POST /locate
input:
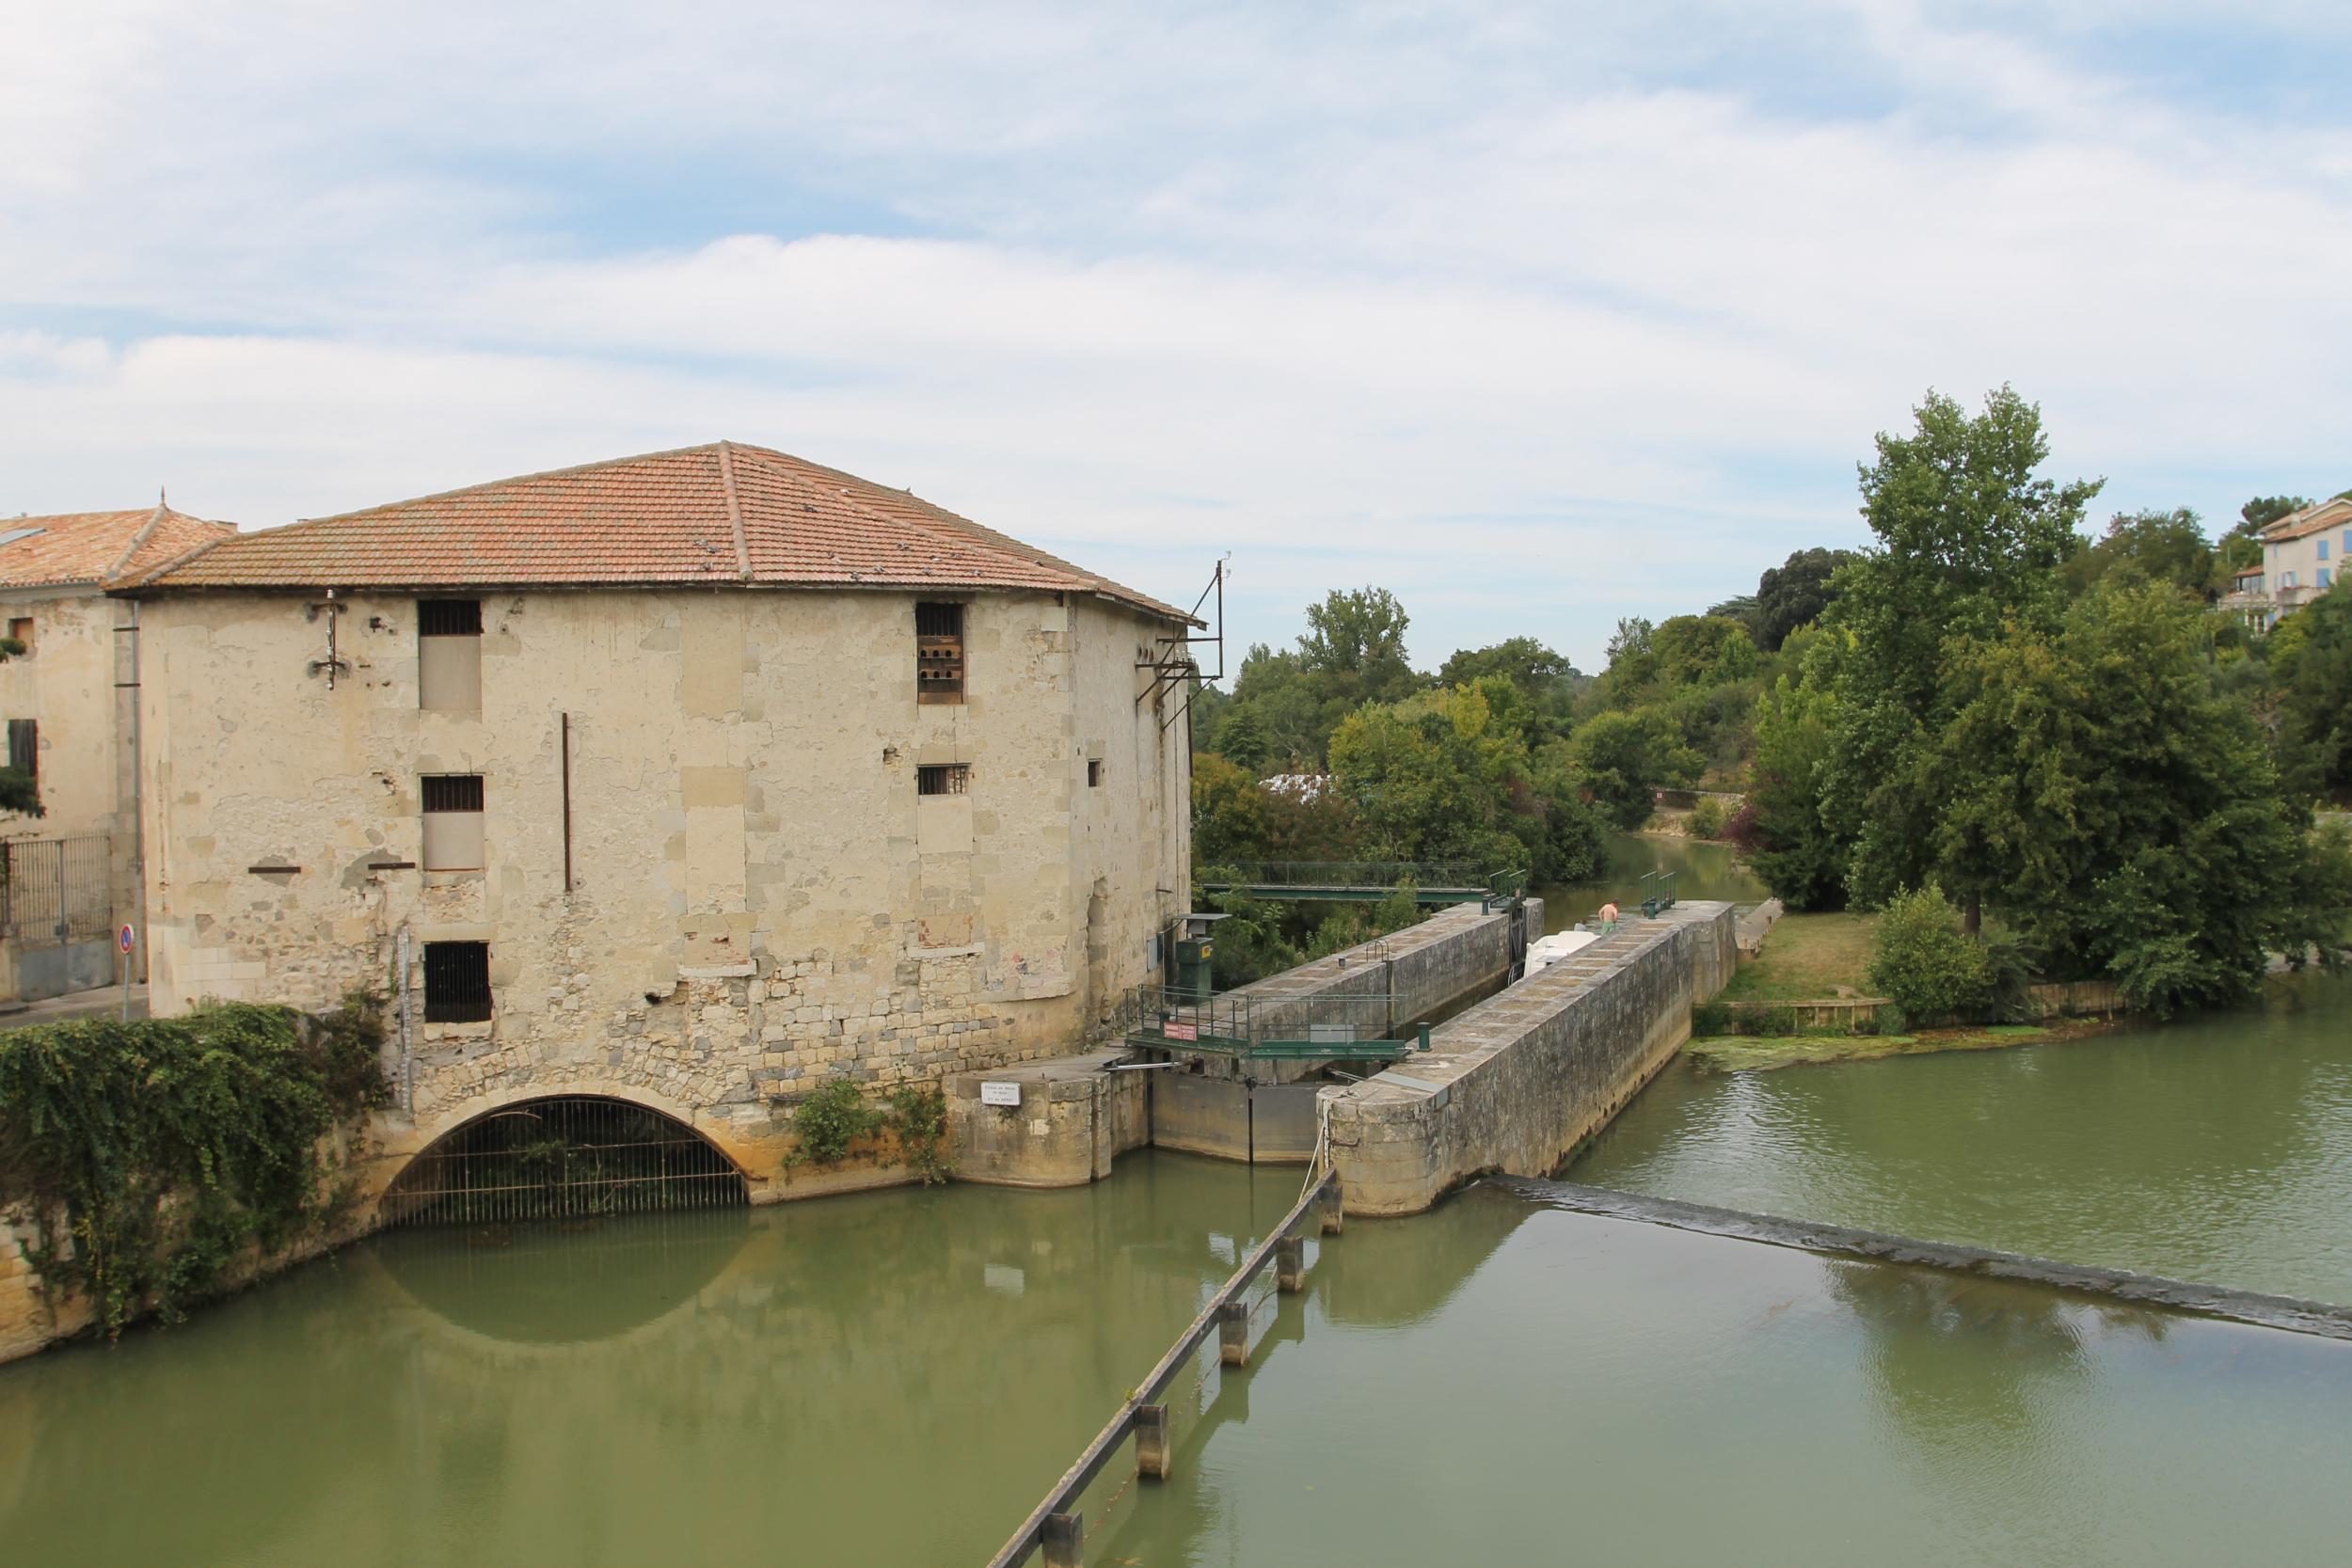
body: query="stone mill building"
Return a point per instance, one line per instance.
(690, 780)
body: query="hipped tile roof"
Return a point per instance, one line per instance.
(721, 515)
(66, 550)
(2311, 520)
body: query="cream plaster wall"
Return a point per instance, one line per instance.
(748, 847)
(66, 683)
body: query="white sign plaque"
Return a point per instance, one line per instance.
(997, 1092)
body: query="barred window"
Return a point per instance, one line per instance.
(449, 654)
(939, 652)
(452, 822)
(456, 982)
(945, 778)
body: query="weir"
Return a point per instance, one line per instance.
(2212, 1301)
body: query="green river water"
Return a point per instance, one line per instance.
(895, 1378)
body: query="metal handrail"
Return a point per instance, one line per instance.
(1453, 876)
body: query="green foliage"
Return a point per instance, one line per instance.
(1794, 594)
(830, 1119)
(2161, 546)
(19, 793)
(1626, 758)
(168, 1146)
(1708, 817)
(2310, 663)
(1250, 942)
(2126, 819)
(1926, 964)
(918, 1111)
(1787, 840)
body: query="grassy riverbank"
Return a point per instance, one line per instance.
(1753, 1053)
(1809, 957)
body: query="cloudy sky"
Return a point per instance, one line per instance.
(1539, 315)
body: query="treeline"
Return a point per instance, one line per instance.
(2062, 735)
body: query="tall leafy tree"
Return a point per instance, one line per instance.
(1970, 537)
(2163, 546)
(2125, 820)
(1794, 594)
(2312, 664)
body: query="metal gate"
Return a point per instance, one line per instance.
(566, 1157)
(55, 890)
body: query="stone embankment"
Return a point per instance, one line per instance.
(1516, 1083)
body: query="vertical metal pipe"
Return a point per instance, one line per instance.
(567, 734)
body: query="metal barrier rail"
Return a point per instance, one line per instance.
(1352, 874)
(1055, 1524)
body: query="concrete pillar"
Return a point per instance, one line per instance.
(1290, 1264)
(1154, 1457)
(1233, 1333)
(1064, 1541)
(1328, 1210)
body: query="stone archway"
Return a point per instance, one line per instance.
(562, 1156)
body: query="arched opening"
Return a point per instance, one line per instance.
(565, 1157)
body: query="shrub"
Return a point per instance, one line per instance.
(1926, 964)
(1707, 818)
(830, 1119)
(919, 1112)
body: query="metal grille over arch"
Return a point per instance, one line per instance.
(567, 1156)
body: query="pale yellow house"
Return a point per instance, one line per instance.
(69, 875)
(2304, 553)
(691, 779)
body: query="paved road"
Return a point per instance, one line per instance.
(106, 1002)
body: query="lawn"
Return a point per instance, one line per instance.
(1807, 957)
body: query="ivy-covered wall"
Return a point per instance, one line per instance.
(146, 1166)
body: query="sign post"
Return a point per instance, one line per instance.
(125, 939)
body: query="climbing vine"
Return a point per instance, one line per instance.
(153, 1152)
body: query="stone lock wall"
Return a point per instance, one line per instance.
(759, 898)
(1516, 1083)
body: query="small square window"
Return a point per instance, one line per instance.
(456, 982)
(1094, 772)
(943, 778)
(21, 630)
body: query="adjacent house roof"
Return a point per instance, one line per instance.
(2311, 520)
(68, 549)
(719, 514)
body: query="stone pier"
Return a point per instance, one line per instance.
(1516, 1083)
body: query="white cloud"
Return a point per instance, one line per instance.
(1551, 315)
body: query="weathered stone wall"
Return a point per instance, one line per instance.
(1516, 1082)
(759, 900)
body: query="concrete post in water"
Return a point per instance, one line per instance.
(1064, 1540)
(1290, 1264)
(1328, 1210)
(1233, 1333)
(1154, 1457)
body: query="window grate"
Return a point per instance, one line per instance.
(939, 652)
(943, 778)
(456, 982)
(449, 617)
(452, 792)
(563, 1157)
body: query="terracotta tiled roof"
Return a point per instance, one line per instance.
(718, 514)
(66, 549)
(2311, 520)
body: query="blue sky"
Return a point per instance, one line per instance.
(1538, 315)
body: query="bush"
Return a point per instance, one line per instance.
(830, 1119)
(1926, 964)
(1707, 818)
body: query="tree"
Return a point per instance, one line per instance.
(1923, 962)
(1355, 631)
(2125, 820)
(1794, 594)
(1243, 740)
(2312, 664)
(2241, 549)
(1626, 761)
(1781, 827)
(1969, 542)
(1536, 670)
(1701, 650)
(2162, 547)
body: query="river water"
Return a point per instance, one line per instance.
(895, 1378)
(1703, 869)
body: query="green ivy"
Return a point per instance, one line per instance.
(168, 1146)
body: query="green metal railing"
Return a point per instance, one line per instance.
(1657, 893)
(1433, 882)
(1347, 1027)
